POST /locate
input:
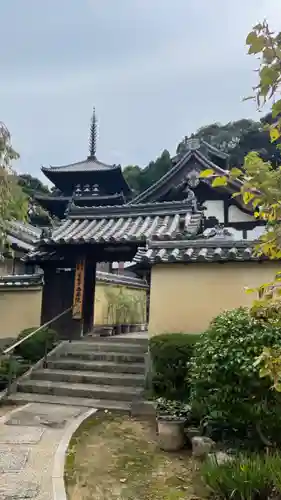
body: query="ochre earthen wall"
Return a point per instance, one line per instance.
(184, 298)
(19, 309)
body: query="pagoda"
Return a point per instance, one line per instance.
(89, 182)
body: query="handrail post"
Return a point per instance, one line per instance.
(10, 351)
(10, 371)
(45, 360)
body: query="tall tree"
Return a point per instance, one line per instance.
(140, 179)
(13, 202)
(31, 185)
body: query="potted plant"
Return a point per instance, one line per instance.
(171, 418)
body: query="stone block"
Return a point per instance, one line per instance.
(12, 487)
(12, 459)
(201, 446)
(20, 435)
(220, 457)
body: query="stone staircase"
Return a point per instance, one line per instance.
(101, 373)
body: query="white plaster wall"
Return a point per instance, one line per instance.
(236, 215)
(236, 234)
(214, 208)
(255, 233)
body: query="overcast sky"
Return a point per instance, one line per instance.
(155, 70)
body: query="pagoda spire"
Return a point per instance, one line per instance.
(93, 136)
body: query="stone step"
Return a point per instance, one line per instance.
(73, 363)
(124, 339)
(93, 391)
(89, 377)
(117, 357)
(109, 346)
(26, 397)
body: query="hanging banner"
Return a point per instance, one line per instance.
(77, 307)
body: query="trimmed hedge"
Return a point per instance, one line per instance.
(33, 349)
(170, 354)
(226, 387)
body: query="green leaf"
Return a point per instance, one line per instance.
(274, 134)
(251, 38)
(247, 197)
(257, 43)
(235, 172)
(264, 372)
(276, 108)
(277, 386)
(207, 173)
(256, 202)
(220, 181)
(269, 55)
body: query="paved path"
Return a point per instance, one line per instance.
(32, 441)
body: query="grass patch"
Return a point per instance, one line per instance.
(114, 457)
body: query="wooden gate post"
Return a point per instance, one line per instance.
(89, 295)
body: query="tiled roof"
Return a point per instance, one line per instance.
(23, 235)
(201, 250)
(21, 281)
(125, 223)
(81, 166)
(121, 279)
(202, 163)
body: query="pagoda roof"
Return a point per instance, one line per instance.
(48, 199)
(90, 164)
(193, 161)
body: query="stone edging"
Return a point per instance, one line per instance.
(59, 492)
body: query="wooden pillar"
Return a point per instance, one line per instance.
(89, 295)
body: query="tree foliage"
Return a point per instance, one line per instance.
(236, 138)
(140, 179)
(259, 186)
(13, 202)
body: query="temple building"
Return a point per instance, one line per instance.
(218, 205)
(168, 234)
(21, 239)
(89, 182)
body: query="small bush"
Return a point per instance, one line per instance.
(170, 355)
(33, 349)
(244, 478)
(225, 384)
(18, 368)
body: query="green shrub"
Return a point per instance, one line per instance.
(225, 384)
(170, 355)
(244, 478)
(18, 368)
(33, 349)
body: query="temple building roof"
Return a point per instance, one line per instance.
(194, 157)
(22, 235)
(127, 223)
(22, 281)
(121, 279)
(201, 250)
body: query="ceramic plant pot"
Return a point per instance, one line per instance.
(171, 435)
